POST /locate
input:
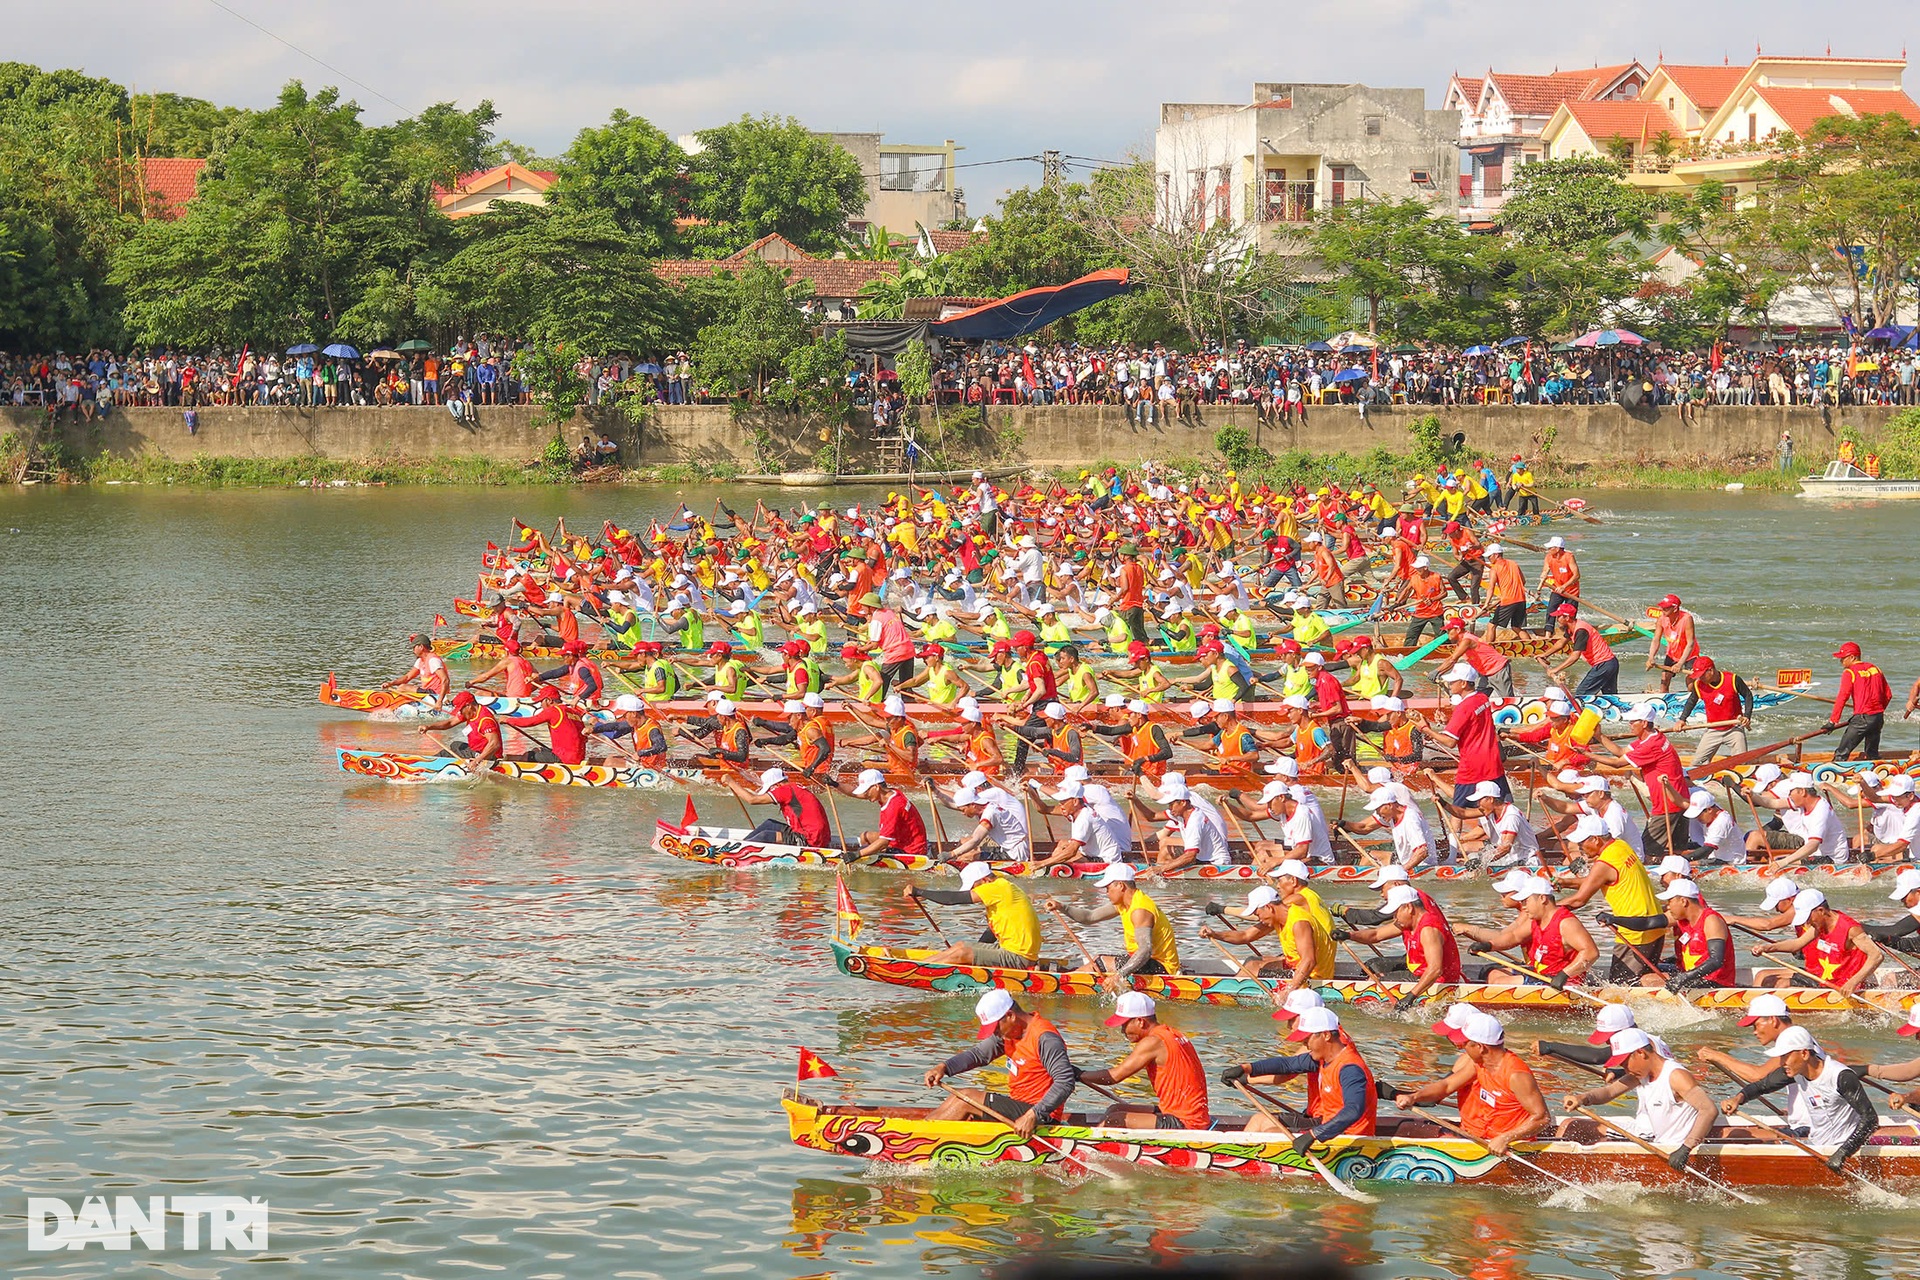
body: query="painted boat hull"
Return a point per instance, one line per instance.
(400, 766)
(909, 967)
(903, 1135)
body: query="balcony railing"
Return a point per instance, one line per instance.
(1285, 201)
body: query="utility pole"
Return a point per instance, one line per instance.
(1052, 169)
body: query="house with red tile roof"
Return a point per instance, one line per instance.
(1502, 115)
(836, 282)
(480, 190)
(166, 184)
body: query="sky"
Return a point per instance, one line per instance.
(1003, 79)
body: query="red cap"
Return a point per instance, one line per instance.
(511, 644)
(1210, 630)
(573, 648)
(1910, 1029)
(547, 693)
(1024, 639)
(1208, 649)
(1565, 611)
(462, 700)
(1600, 1037)
(1361, 642)
(1288, 645)
(1619, 1059)
(1446, 1032)
(1453, 526)
(1847, 650)
(1669, 601)
(1702, 664)
(720, 646)
(931, 651)
(795, 648)
(1297, 1034)
(1000, 647)
(852, 651)
(1137, 650)
(1456, 624)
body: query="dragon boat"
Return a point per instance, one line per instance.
(401, 766)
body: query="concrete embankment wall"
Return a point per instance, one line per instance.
(1055, 435)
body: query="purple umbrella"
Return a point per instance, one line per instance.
(1610, 338)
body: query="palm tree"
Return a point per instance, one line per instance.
(1664, 148)
(1620, 148)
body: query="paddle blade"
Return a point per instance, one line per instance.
(689, 815)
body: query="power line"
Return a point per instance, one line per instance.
(310, 57)
(941, 168)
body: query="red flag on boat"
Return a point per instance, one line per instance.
(689, 815)
(492, 550)
(439, 620)
(848, 914)
(812, 1066)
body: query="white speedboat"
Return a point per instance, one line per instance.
(1844, 480)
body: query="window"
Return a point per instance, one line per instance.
(1753, 127)
(1374, 125)
(913, 171)
(1422, 178)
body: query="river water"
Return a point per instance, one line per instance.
(481, 1028)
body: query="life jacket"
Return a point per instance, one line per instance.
(1319, 925)
(983, 750)
(1054, 631)
(1226, 679)
(1632, 893)
(1119, 634)
(814, 739)
(1027, 1078)
(1308, 746)
(1239, 749)
(1066, 740)
(749, 628)
(1142, 743)
(943, 687)
(730, 677)
(1367, 680)
(1546, 950)
(903, 747)
(695, 636)
(1081, 685)
(1397, 742)
(1832, 955)
(1179, 1083)
(1564, 751)
(1433, 918)
(1179, 635)
(484, 727)
(1489, 1104)
(1326, 1098)
(868, 687)
(660, 682)
(1690, 941)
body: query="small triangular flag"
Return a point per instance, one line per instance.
(439, 620)
(689, 815)
(812, 1066)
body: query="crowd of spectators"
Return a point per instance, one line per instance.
(1156, 383)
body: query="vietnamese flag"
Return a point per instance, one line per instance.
(439, 620)
(689, 815)
(812, 1066)
(848, 915)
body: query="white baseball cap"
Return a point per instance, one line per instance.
(973, 780)
(1274, 790)
(1510, 884)
(792, 706)
(1586, 828)
(812, 701)
(1673, 865)
(992, 1007)
(966, 798)
(1055, 711)
(1173, 792)
(723, 707)
(1456, 1018)
(1116, 873)
(1594, 784)
(1401, 895)
(1077, 773)
(1559, 708)
(1285, 767)
(1292, 867)
(1484, 1028)
(1116, 700)
(1421, 562)
(1609, 1022)
(1622, 1043)
(1780, 889)
(1767, 1006)
(771, 779)
(1070, 791)
(1223, 706)
(1315, 658)
(1801, 782)
(1138, 706)
(628, 702)
(1535, 887)
(1698, 802)
(1131, 1004)
(1804, 904)
(1680, 889)
(973, 715)
(1260, 896)
(1392, 873)
(1298, 1001)
(1485, 791)
(1766, 774)
(1201, 708)
(1379, 775)
(1379, 797)
(1313, 1021)
(973, 873)
(868, 780)
(1459, 673)
(1297, 702)
(1495, 549)
(895, 705)
(1793, 1038)
(1639, 712)
(1905, 883)
(1900, 784)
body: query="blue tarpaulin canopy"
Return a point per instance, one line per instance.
(1033, 309)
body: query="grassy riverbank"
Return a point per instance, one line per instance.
(289, 473)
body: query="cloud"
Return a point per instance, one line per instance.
(1004, 79)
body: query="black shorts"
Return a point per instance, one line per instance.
(1012, 1108)
(892, 673)
(1510, 616)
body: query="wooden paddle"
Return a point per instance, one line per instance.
(1097, 965)
(921, 903)
(1747, 757)
(1496, 958)
(1641, 1142)
(1327, 1175)
(1510, 1154)
(989, 1114)
(1773, 958)
(1781, 1136)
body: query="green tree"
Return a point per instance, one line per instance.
(631, 171)
(763, 176)
(1570, 204)
(757, 327)
(1387, 255)
(1041, 236)
(562, 274)
(169, 124)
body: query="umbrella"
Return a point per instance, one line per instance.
(1610, 338)
(1481, 350)
(1318, 346)
(416, 344)
(648, 367)
(302, 349)
(1562, 346)
(1408, 350)
(340, 351)
(1887, 333)
(1350, 375)
(1520, 340)
(1354, 338)
(383, 354)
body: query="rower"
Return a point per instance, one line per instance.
(944, 686)
(1833, 946)
(483, 728)
(1342, 1096)
(1471, 556)
(1895, 821)
(1727, 701)
(1040, 690)
(1293, 914)
(1173, 1069)
(1865, 685)
(1471, 733)
(863, 675)
(1634, 913)
(1040, 1075)
(566, 738)
(1393, 810)
(1079, 686)
(1492, 669)
(1559, 575)
(1001, 833)
(898, 734)
(1809, 821)
(1663, 776)
(513, 669)
(1840, 1113)
(800, 818)
(1425, 597)
(1089, 834)
(899, 829)
(428, 672)
(1508, 589)
(1591, 797)
(1899, 1072)
(1203, 832)
(1304, 837)
(1145, 931)
(1672, 1109)
(1148, 680)
(1672, 644)
(1012, 936)
(647, 740)
(1713, 831)
(1903, 934)
(1581, 641)
(1609, 1020)
(730, 674)
(1701, 942)
(1557, 946)
(1500, 1103)
(1374, 675)
(1432, 955)
(1063, 746)
(1507, 839)
(1144, 743)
